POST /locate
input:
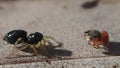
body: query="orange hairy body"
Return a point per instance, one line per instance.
(103, 40)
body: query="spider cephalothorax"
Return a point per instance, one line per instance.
(34, 38)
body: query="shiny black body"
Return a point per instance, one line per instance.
(12, 36)
(34, 38)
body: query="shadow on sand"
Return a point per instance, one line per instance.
(113, 49)
(53, 51)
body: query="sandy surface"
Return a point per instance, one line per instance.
(65, 20)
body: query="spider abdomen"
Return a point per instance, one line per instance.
(12, 36)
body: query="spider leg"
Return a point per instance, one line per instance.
(42, 45)
(39, 44)
(19, 40)
(97, 45)
(16, 49)
(49, 37)
(34, 49)
(23, 46)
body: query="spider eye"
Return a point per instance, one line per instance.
(32, 36)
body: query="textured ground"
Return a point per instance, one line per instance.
(66, 21)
